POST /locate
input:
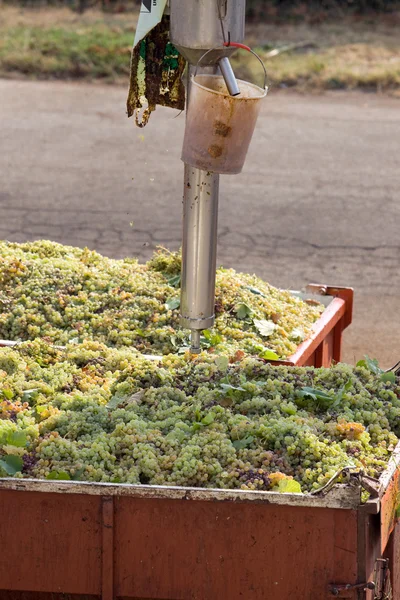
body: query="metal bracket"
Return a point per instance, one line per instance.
(395, 369)
(381, 584)
(383, 588)
(344, 293)
(370, 484)
(346, 590)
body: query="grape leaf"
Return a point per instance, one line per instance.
(340, 394)
(114, 402)
(208, 419)
(371, 364)
(17, 438)
(183, 349)
(213, 338)
(58, 476)
(175, 280)
(227, 387)
(264, 327)
(268, 354)
(243, 443)
(172, 303)
(254, 290)
(289, 486)
(196, 427)
(11, 464)
(222, 362)
(28, 394)
(7, 393)
(318, 395)
(298, 335)
(133, 399)
(389, 376)
(242, 310)
(77, 475)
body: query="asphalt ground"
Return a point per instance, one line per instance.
(318, 199)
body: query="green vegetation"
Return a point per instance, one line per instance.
(96, 52)
(351, 66)
(313, 55)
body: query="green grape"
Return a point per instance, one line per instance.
(108, 414)
(62, 293)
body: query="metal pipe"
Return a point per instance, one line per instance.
(199, 246)
(197, 27)
(229, 76)
(195, 341)
(199, 251)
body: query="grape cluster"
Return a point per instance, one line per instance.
(93, 413)
(63, 294)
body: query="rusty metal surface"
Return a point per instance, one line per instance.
(392, 552)
(349, 590)
(171, 549)
(107, 550)
(340, 496)
(50, 543)
(209, 551)
(14, 595)
(123, 542)
(390, 496)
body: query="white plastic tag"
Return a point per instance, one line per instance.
(151, 12)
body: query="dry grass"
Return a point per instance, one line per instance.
(346, 54)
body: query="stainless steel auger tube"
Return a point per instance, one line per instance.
(198, 26)
(199, 252)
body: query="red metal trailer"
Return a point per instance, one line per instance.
(88, 541)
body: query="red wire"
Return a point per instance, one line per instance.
(237, 45)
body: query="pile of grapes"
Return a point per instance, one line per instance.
(93, 413)
(66, 294)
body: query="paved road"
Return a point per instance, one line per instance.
(318, 200)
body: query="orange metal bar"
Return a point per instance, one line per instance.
(329, 318)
